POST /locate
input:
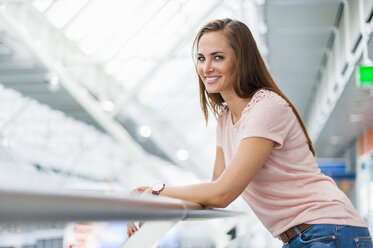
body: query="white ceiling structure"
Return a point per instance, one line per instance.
(122, 65)
(315, 47)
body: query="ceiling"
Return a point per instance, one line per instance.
(298, 36)
(23, 75)
(351, 117)
(134, 59)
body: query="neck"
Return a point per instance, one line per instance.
(236, 105)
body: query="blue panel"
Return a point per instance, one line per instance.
(336, 169)
(332, 163)
(348, 176)
(333, 169)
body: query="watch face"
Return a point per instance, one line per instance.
(157, 186)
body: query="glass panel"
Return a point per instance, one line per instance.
(130, 30)
(42, 5)
(111, 23)
(89, 18)
(133, 71)
(62, 11)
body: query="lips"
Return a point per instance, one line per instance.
(211, 80)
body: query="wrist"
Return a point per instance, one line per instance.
(157, 188)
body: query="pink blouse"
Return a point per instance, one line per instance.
(289, 189)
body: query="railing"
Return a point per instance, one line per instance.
(18, 206)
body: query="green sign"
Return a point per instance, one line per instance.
(365, 76)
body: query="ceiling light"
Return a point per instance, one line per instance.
(5, 142)
(145, 131)
(54, 83)
(334, 140)
(182, 154)
(354, 117)
(107, 105)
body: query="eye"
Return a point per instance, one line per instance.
(200, 58)
(218, 57)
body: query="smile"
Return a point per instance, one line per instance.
(211, 80)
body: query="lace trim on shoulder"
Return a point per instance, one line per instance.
(262, 94)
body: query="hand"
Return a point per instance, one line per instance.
(131, 229)
(147, 191)
(139, 190)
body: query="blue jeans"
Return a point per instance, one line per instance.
(325, 235)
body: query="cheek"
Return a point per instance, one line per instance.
(230, 71)
(200, 71)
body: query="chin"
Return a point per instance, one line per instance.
(211, 91)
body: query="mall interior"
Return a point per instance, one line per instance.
(98, 97)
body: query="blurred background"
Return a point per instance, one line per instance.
(101, 96)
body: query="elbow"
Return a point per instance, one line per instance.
(220, 196)
(223, 200)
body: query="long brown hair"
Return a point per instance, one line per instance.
(250, 74)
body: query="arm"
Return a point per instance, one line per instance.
(250, 157)
(219, 165)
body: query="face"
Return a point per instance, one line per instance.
(215, 63)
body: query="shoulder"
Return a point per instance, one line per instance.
(267, 95)
(266, 98)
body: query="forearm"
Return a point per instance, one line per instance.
(208, 194)
(232, 181)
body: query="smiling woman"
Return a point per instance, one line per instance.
(215, 63)
(263, 151)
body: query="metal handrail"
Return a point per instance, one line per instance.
(19, 206)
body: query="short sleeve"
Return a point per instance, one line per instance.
(269, 118)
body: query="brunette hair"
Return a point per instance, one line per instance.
(250, 74)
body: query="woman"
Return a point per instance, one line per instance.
(263, 150)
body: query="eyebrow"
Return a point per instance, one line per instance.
(213, 53)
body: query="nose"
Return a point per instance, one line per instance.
(207, 67)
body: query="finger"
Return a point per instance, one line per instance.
(132, 227)
(141, 189)
(130, 224)
(131, 232)
(137, 190)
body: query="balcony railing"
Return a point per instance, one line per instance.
(160, 212)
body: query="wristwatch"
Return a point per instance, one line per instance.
(157, 188)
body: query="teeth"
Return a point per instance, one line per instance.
(211, 78)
